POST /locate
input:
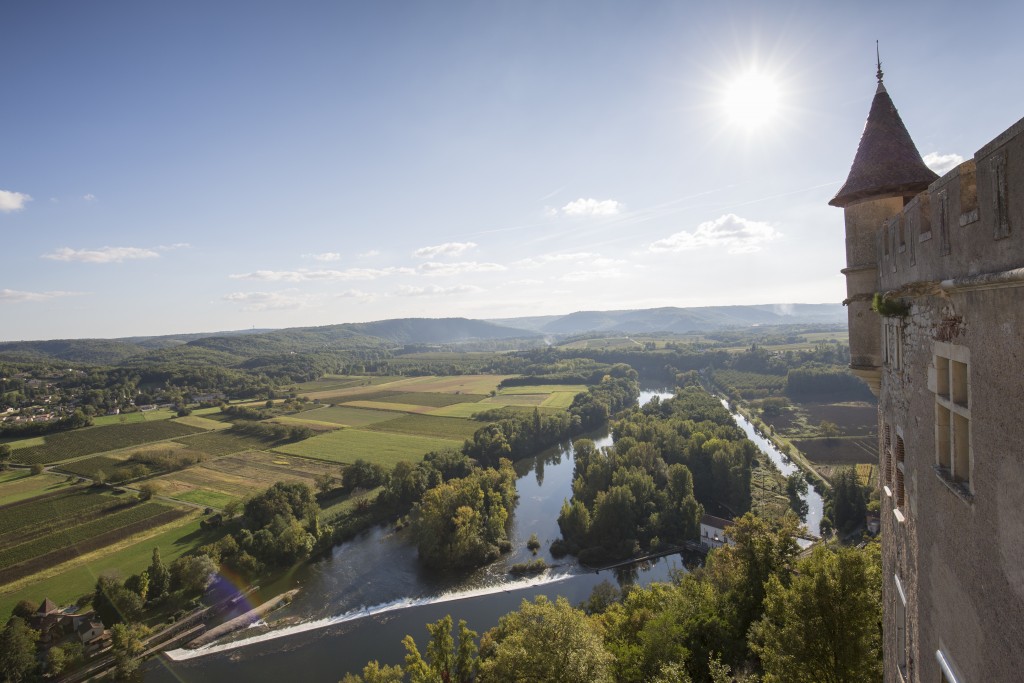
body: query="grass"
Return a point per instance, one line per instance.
(66, 582)
(71, 536)
(214, 499)
(543, 389)
(468, 410)
(315, 425)
(79, 442)
(394, 407)
(346, 503)
(427, 398)
(348, 445)
(332, 382)
(241, 475)
(222, 443)
(37, 516)
(350, 417)
(513, 400)
(27, 443)
(24, 485)
(429, 425)
(132, 418)
(202, 422)
(559, 399)
(462, 384)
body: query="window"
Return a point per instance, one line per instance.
(901, 627)
(952, 388)
(886, 456)
(899, 493)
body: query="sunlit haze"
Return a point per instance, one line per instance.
(196, 166)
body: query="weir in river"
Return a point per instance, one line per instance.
(358, 604)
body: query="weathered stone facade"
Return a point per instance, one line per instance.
(948, 366)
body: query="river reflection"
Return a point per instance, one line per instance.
(359, 603)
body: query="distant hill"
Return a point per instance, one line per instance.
(680, 320)
(229, 348)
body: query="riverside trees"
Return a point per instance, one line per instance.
(755, 609)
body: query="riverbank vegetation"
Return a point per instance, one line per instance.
(757, 611)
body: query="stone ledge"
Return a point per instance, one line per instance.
(961, 491)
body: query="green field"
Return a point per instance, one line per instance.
(214, 499)
(559, 399)
(66, 583)
(543, 389)
(31, 518)
(79, 442)
(88, 467)
(350, 417)
(346, 502)
(222, 443)
(315, 425)
(513, 400)
(333, 382)
(468, 410)
(18, 485)
(72, 535)
(131, 418)
(348, 445)
(394, 407)
(430, 425)
(202, 422)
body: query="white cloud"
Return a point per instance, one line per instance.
(101, 255)
(15, 296)
(325, 256)
(942, 163)
(592, 274)
(269, 301)
(370, 254)
(436, 268)
(446, 249)
(90, 197)
(434, 290)
(305, 275)
(176, 245)
(592, 207)
(543, 259)
(736, 234)
(13, 201)
(353, 294)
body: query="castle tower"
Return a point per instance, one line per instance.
(886, 173)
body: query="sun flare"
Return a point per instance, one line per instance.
(752, 99)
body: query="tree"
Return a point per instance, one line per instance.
(159, 577)
(147, 490)
(126, 644)
(545, 641)
(443, 663)
(192, 573)
(24, 609)
(5, 455)
(139, 584)
(17, 651)
(829, 430)
(114, 603)
(825, 627)
(847, 506)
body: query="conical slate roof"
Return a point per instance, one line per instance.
(887, 162)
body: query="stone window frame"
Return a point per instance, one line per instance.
(1000, 195)
(902, 645)
(949, 379)
(892, 343)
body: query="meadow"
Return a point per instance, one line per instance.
(429, 425)
(349, 416)
(17, 485)
(383, 448)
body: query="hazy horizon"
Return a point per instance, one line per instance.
(198, 166)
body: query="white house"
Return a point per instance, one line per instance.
(712, 531)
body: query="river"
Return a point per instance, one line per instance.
(359, 603)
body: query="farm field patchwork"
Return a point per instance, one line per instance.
(67, 445)
(137, 416)
(839, 451)
(222, 442)
(240, 475)
(23, 485)
(348, 445)
(35, 516)
(559, 399)
(513, 400)
(69, 541)
(349, 416)
(430, 425)
(202, 422)
(64, 583)
(315, 425)
(543, 389)
(394, 407)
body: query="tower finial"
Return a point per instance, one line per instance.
(878, 57)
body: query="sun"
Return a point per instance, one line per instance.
(752, 99)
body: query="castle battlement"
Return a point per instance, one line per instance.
(968, 223)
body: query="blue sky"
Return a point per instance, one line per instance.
(195, 166)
